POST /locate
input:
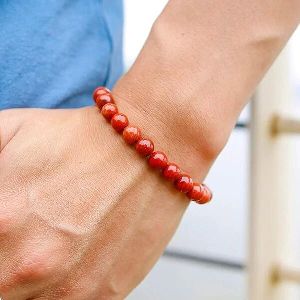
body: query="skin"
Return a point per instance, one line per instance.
(81, 215)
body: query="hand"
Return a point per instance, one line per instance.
(81, 215)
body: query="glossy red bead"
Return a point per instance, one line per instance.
(119, 122)
(144, 147)
(131, 134)
(101, 90)
(196, 193)
(184, 183)
(207, 195)
(172, 172)
(101, 100)
(158, 160)
(109, 110)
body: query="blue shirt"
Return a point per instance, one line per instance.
(53, 53)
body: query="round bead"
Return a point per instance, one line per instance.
(119, 122)
(101, 100)
(196, 193)
(172, 172)
(101, 90)
(207, 195)
(131, 134)
(184, 183)
(158, 160)
(109, 110)
(144, 147)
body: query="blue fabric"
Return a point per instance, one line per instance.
(53, 53)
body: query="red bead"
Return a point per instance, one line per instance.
(158, 160)
(200, 193)
(101, 100)
(109, 110)
(172, 172)
(131, 134)
(207, 195)
(101, 90)
(144, 147)
(196, 193)
(119, 122)
(184, 183)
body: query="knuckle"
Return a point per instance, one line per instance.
(33, 269)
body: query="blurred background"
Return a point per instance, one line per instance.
(207, 257)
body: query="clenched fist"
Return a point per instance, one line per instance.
(82, 216)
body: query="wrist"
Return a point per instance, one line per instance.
(186, 132)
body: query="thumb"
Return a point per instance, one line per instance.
(11, 121)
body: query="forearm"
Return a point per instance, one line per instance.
(199, 67)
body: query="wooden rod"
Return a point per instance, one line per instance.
(286, 273)
(285, 124)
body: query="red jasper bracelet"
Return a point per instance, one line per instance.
(132, 135)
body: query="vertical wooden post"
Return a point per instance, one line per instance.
(271, 201)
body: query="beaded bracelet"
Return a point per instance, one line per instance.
(132, 135)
